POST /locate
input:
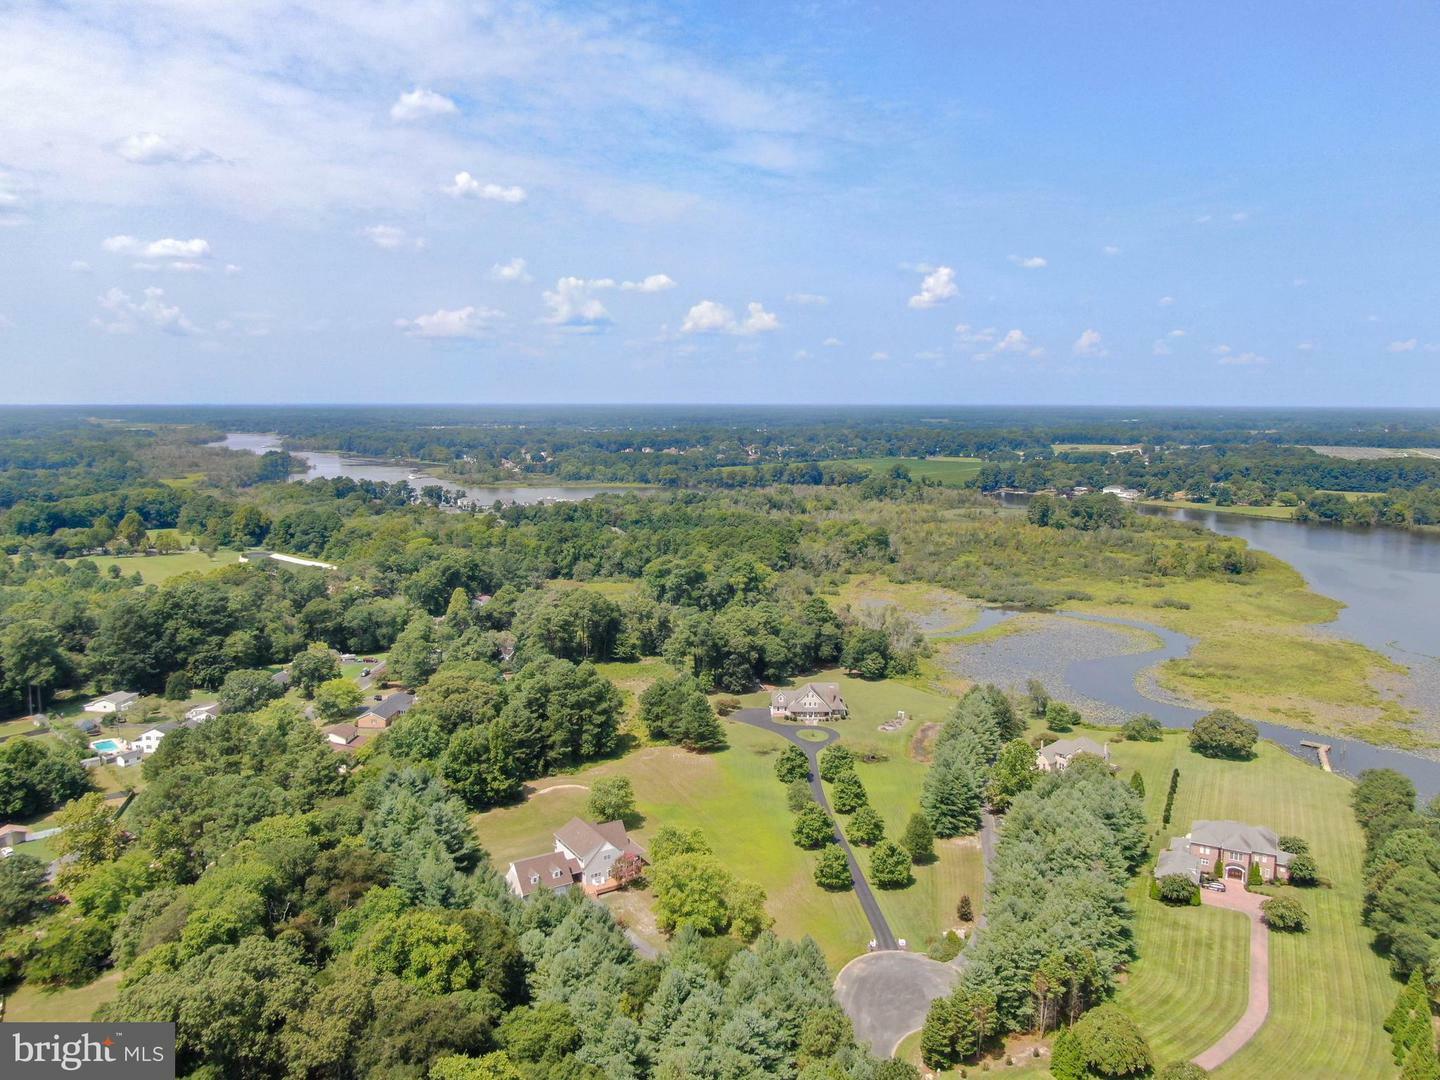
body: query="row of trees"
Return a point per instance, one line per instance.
(1059, 925)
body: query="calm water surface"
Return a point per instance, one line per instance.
(324, 465)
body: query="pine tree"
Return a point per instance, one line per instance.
(1137, 783)
(950, 798)
(937, 1038)
(965, 909)
(1421, 1063)
(1416, 1032)
(919, 840)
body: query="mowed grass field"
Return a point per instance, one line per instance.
(733, 797)
(1329, 992)
(29, 1003)
(155, 569)
(949, 471)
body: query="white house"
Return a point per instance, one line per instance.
(1056, 757)
(204, 712)
(584, 855)
(813, 701)
(118, 702)
(148, 741)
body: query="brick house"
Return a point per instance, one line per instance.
(811, 702)
(1237, 845)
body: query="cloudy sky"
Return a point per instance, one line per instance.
(289, 200)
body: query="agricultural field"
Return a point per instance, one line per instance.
(948, 471)
(1329, 992)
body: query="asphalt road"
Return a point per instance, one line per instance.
(760, 717)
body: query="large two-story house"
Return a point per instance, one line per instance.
(811, 702)
(1236, 845)
(584, 855)
(1056, 756)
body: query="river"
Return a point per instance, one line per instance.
(1389, 582)
(326, 464)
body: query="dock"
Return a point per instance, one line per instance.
(1322, 750)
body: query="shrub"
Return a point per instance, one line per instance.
(1254, 879)
(965, 910)
(1176, 889)
(1181, 1070)
(946, 948)
(1295, 845)
(1286, 914)
(1303, 871)
(1137, 783)
(1110, 1043)
(612, 798)
(919, 840)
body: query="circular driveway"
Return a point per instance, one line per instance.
(887, 994)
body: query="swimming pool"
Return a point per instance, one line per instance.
(107, 746)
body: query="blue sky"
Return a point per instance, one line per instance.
(750, 202)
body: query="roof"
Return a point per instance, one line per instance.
(544, 866)
(345, 731)
(120, 697)
(208, 707)
(585, 839)
(391, 706)
(1238, 836)
(164, 728)
(282, 677)
(1068, 748)
(828, 692)
(87, 723)
(1177, 859)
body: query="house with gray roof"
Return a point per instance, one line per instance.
(586, 855)
(117, 702)
(811, 702)
(1236, 845)
(1057, 755)
(381, 713)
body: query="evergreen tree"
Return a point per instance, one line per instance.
(950, 797)
(1137, 783)
(1421, 1062)
(919, 840)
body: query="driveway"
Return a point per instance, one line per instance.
(760, 717)
(887, 994)
(1257, 1009)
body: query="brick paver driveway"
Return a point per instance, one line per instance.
(1235, 898)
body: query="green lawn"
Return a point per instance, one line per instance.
(29, 1003)
(1329, 992)
(734, 798)
(155, 569)
(1276, 512)
(949, 471)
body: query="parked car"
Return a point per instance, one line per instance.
(1214, 886)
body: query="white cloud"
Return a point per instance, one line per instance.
(465, 322)
(391, 237)
(652, 284)
(802, 354)
(938, 286)
(1203, 219)
(158, 249)
(809, 299)
(467, 187)
(1177, 333)
(1408, 345)
(1111, 249)
(965, 334)
(150, 148)
(832, 343)
(80, 266)
(879, 356)
(1166, 301)
(572, 306)
(1030, 262)
(231, 268)
(1089, 343)
(710, 317)
(421, 104)
(1014, 342)
(514, 270)
(125, 315)
(929, 355)
(1160, 348)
